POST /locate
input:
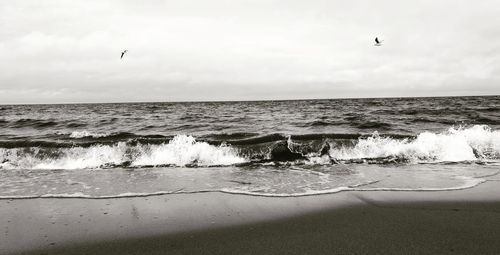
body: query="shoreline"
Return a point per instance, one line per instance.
(394, 222)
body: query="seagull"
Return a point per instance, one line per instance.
(123, 53)
(378, 42)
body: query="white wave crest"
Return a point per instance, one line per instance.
(181, 151)
(184, 150)
(85, 133)
(70, 158)
(457, 144)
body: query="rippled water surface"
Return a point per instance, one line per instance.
(274, 148)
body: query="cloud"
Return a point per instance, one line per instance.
(68, 51)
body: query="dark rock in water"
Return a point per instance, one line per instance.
(477, 153)
(325, 150)
(281, 152)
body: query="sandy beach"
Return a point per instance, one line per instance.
(381, 222)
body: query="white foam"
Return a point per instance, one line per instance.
(70, 158)
(455, 145)
(468, 183)
(184, 150)
(181, 151)
(85, 133)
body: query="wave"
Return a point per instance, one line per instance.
(86, 138)
(34, 123)
(85, 133)
(108, 136)
(457, 144)
(82, 139)
(373, 125)
(469, 183)
(41, 123)
(182, 150)
(473, 144)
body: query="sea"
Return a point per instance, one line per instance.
(260, 148)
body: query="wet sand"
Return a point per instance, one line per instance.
(381, 222)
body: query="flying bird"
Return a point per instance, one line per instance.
(123, 53)
(378, 42)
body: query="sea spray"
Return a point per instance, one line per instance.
(454, 145)
(180, 151)
(184, 150)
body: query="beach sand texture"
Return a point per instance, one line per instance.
(381, 222)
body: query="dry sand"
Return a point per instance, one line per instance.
(382, 222)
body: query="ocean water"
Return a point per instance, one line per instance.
(266, 148)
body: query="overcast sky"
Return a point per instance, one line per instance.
(56, 51)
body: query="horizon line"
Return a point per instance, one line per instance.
(250, 100)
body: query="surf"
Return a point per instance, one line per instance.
(478, 143)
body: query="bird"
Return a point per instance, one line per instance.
(378, 42)
(123, 53)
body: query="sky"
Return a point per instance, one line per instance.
(59, 51)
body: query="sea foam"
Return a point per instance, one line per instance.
(85, 133)
(184, 150)
(181, 151)
(456, 144)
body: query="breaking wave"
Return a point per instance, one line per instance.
(475, 143)
(182, 150)
(457, 144)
